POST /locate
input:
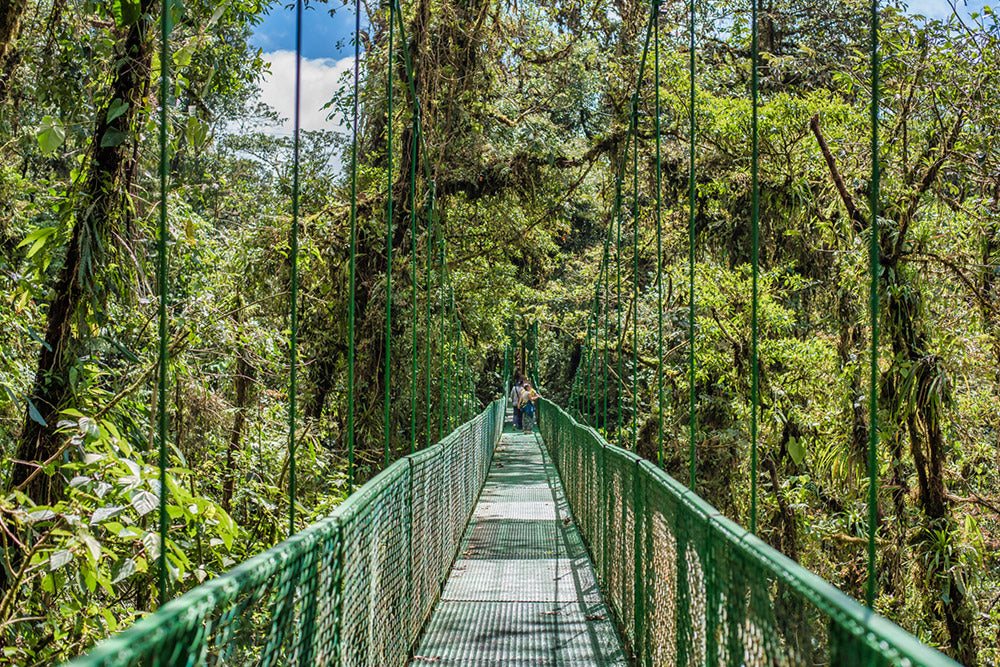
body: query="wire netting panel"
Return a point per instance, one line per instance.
(375, 588)
(689, 587)
(428, 535)
(353, 589)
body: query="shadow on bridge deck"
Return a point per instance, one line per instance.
(522, 590)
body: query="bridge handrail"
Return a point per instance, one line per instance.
(763, 607)
(352, 589)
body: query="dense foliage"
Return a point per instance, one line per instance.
(525, 110)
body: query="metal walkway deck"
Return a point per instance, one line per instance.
(522, 590)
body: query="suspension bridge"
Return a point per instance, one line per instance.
(496, 547)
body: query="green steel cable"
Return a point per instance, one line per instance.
(413, 290)
(388, 248)
(467, 375)
(454, 357)
(582, 382)
(423, 153)
(618, 306)
(659, 241)
(412, 86)
(293, 305)
(607, 329)
(353, 250)
(874, 249)
(442, 310)
(574, 390)
(634, 129)
(691, 192)
(755, 258)
(538, 372)
(593, 375)
(427, 316)
(597, 330)
(161, 280)
(635, 269)
(617, 215)
(589, 377)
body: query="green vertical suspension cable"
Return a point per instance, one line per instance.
(427, 316)
(585, 367)
(597, 332)
(293, 305)
(591, 372)
(635, 267)
(452, 357)
(755, 259)
(353, 249)
(874, 249)
(388, 248)
(467, 383)
(161, 280)
(691, 191)
(413, 289)
(659, 241)
(607, 327)
(442, 312)
(618, 305)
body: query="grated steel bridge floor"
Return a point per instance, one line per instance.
(522, 590)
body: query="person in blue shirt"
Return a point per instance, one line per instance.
(529, 406)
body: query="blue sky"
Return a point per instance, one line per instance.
(326, 36)
(939, 9)
(323, 36)
(328, 53)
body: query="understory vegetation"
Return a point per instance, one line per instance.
(525, 109)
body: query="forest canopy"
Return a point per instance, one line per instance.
(525, 114)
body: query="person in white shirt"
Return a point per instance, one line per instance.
(515, 399)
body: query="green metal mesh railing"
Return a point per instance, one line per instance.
(353, 589)
(690, 587)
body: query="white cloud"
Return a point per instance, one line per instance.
(320, 79)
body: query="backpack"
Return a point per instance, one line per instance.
(525, 399)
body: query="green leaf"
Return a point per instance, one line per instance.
(219, 11)
(113, 137)
(123, 569)
(117, 108)
(35, 414)
(144, 502)
(182, 56)
(105, 513)
(59, 558)
(796, 450)
(151, 541)
(126, 12)
(51, 134)
(93, 547)
(37, 239)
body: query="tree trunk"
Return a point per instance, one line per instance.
(100, 210)
(11, 12)
(244, 376)
(925, 395)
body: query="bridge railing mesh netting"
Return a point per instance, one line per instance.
(690, 587)
(353, 589)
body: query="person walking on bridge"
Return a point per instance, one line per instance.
(515, 399)
(529, 406)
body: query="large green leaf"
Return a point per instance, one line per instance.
(126, 12)
(51, 135)
(113, 137)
